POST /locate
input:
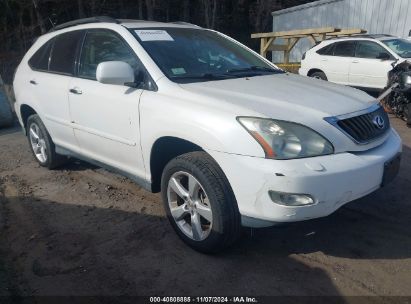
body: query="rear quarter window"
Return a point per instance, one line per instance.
(40, 59)
(327, 50)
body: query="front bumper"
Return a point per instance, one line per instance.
(332, 181)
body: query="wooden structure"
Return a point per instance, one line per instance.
(291, 38)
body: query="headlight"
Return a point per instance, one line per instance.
(286, 140)
(405, 81)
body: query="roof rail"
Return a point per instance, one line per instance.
(84, 21)
(372, 36)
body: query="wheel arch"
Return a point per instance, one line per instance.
(163, 150)
(314, 70)
(25, 112)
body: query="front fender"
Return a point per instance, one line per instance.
(192, 120)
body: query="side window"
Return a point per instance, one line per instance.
(345, 49)
(368, 49)
(63, 53)
(40, 59)
(327, 50)
(100, 46)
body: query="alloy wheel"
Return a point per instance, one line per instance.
(189, 206)
(38, 143)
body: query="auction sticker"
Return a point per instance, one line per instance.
(153, 35)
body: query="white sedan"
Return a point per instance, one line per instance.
(361, 61)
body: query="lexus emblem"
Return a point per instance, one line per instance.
(379, 122)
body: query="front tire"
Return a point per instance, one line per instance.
(200, 203)
(41, 144)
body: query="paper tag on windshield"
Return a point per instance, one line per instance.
(154, 35)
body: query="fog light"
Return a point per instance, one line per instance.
(291, 199)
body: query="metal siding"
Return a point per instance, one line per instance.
(376, 16)
(407, 25)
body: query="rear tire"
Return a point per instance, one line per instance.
(200, 203)
(319, 75)
(41, 144)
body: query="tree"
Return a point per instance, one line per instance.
(23, 20)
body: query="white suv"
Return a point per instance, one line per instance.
(360, 61)
(228, 138)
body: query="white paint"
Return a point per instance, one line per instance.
(353, 71)
(118, 126)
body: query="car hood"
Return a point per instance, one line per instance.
(278, 95)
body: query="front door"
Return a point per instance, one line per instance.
(105, 117)
(366, 69)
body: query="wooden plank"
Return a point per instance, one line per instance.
(268, 43)
(293, 42)
(287, 51)
(312, 39)
(296, 32)
(347, 32)
(262, 46)
(278, 47)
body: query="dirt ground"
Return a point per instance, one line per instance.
(81, 230)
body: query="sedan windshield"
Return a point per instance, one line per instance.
(192, 55)
(401, 47)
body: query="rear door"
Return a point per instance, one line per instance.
(337, 66)
(53, 69)
(366, 69)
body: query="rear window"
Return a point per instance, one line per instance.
(345, 49)
(40, 59)
(64, 52)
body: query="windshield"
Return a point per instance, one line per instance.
(192, 55)
(401, 47)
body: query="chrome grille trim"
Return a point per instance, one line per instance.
(359, 126)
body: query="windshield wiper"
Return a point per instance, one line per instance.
(255, 68)
(207, 76)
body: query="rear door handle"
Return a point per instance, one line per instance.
(76, 91)
(355, 61)
(33, 82)
(324, 59)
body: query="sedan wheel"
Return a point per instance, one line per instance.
(189, 206)
(38, 143)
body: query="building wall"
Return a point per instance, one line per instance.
(376, 16)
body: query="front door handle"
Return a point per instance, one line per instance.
(33, 82)
(76, 91)
(355, 61)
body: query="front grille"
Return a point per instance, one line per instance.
(367, 127)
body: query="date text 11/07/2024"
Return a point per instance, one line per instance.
(203, 300)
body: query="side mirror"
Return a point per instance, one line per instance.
(384, 56)
(115, 72)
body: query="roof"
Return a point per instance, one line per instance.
(129, 23)
(303, 6)
(363, 36)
